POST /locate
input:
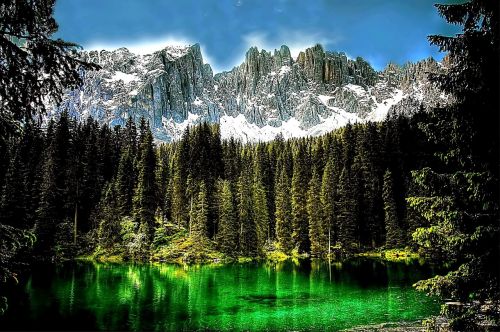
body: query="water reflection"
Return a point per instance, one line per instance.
(286, 295)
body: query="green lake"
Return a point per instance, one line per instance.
(312, 295)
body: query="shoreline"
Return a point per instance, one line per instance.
(386, 255)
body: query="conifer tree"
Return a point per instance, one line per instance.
(264, 168)
(260, 211)
(191, 197)
(394, 160)
(125, 182)
(367, 163)
(346, 215)
(31, 149)
(349, 145)
(317, 154)
(316, 231)
(162, 178)
(12, 203)
(167, 203)
(361, 192)
(328, 196)
(248, 229)
(35, 68)
(231, 161)
(228, 229)
(106, 153)
(87, 186)
(299, 202)
(284, 227)
(200, 215)
(393, 231)
(143, 133)
(109, 220)
(178, 192)
(144, 197)
(199, 227)
(4, 160)
(287, 159)
(130, 136)
(54, 188)
(459, 199)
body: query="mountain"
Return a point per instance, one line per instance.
(269, 93)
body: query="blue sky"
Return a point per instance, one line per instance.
(378, 30)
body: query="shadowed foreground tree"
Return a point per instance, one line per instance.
(459, 197)
(33, 66)
(33, 69)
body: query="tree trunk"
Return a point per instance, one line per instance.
(329, 240)
(75, 224)
(190, 215)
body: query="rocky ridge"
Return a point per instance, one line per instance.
(269, 93)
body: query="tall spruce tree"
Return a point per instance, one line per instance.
(191, 197)
(260, 211)
(31, 149)
(53, 207)
(130, 136)
(346, 211)
(349, 145)
(284, 226)
(360, 194)
(328, 196)
(393, 231)
(13, 200)
(88, 186)
(109, 219)
(162, 178)
(178, 192)
(248, 229)
(167, 203)
(125, 181)
(368, 163)
(299, 201)
(228, 228)
(316, 231)
(144, 197)
(199, 227)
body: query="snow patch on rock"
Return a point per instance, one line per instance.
(121, 76)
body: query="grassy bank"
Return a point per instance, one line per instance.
(390, 255)
(182, 250)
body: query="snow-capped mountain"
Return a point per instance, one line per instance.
(269, 93)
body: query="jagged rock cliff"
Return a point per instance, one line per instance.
(270, 92)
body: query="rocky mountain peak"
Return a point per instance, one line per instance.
(282, 57)
(269, 93)
(312, 62)
(335, 68)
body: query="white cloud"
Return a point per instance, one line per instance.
(150, 45)
(141, 46)
(296, 40)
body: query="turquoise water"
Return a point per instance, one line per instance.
(254, 296)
